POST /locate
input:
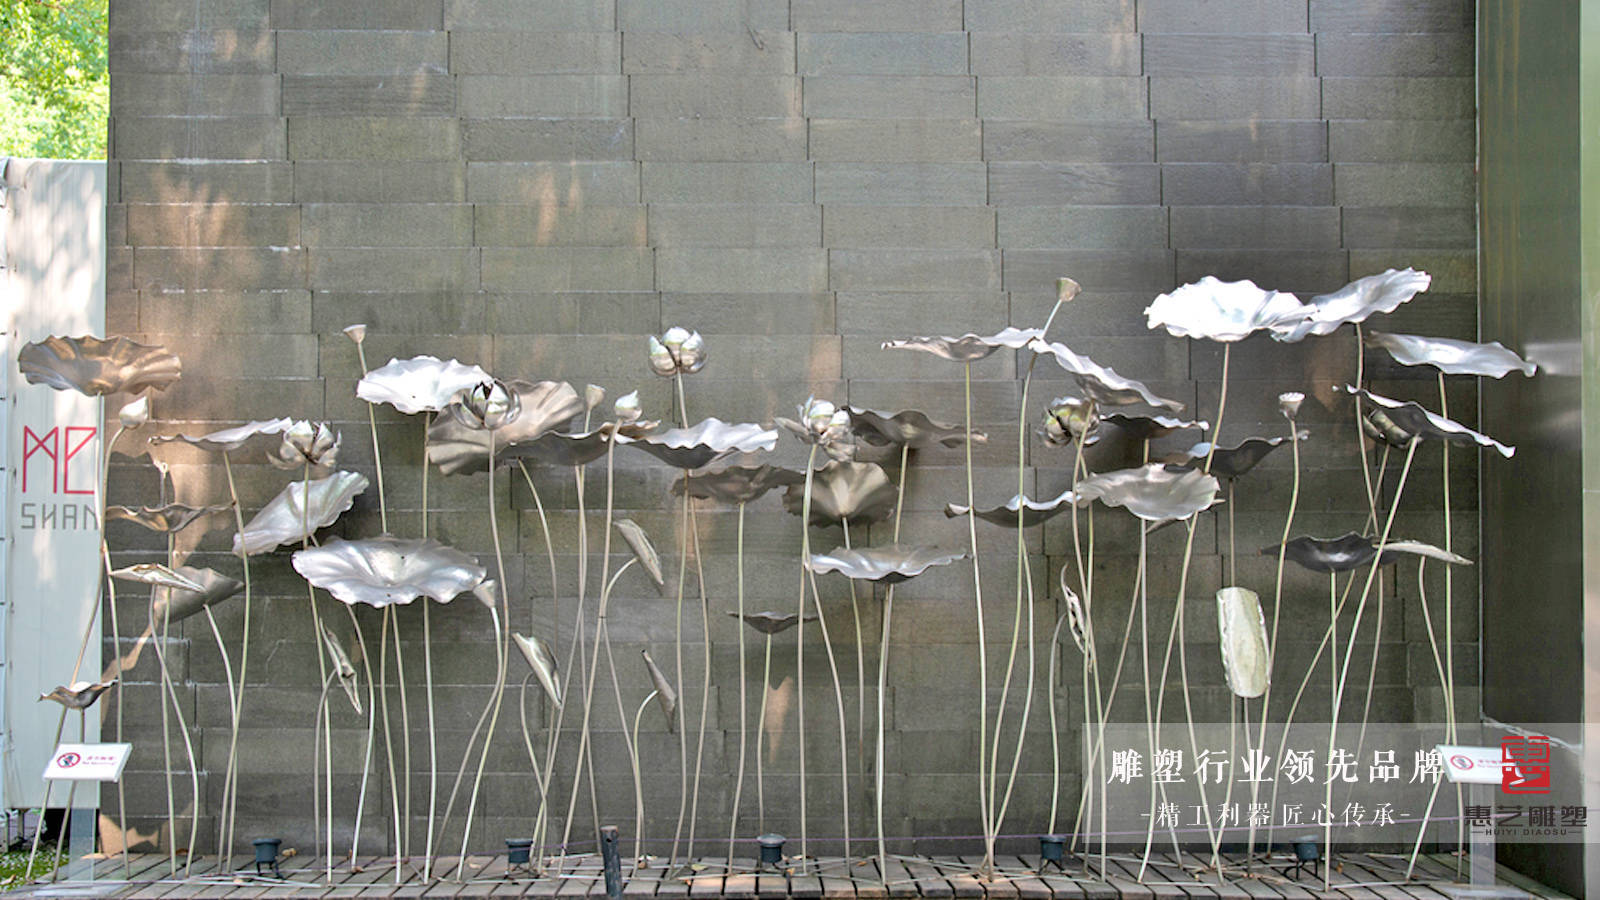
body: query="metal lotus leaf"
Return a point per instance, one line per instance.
(1232, 462)
(555, 448)
(79, 694)
(1411, 417)
(228, 439)
(665, 695)
(383, 571)
(643, 550)
(1352, 550)
(1491, 360)
(1154, 493)
(1418, 548)
(1355, 302)
(418, 384)
(771, 622)
(98, 367)
(155, 575)
(1223, 311)
(1034, 512)
(542, 660)
(169, 519)
(706, 442)
(909, 428)
(890, 564)
(1077, 621)
(1101, 383)
(544, 407)
(854, 492)
(1149, 428)
(297, 512)
(342, 668)
(313, 444)
(1069, 419)
(1243, 630)
(736, 484)
(969, 347)
(170, 605)
(487, 592)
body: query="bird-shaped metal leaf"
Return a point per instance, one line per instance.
(1034, 512)
(1452, 357)
(772, 622)
(169, 519)
(891, 563)
(298, 511)
(1411, 417)
(542, 660)
(968, 347)
(1243, 632)
(856, 492)
(1101, 383)
(79, 694)
(97, 367)
(388, 570)
(665, 695)
(643, 550)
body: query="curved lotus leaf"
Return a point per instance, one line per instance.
(79, 694)
(228, 439)
(665, 695)
(1491, 360)
(1381, 293)
(1077, 622)
(176, 604)
(1149, 428)
(156, 575)
(1034, 511)
(844, 492)
(707, 441)
(342, 668)
(1224, 311)
(969, 347)
(736, 484)
(1411, 417)
(421, 383)
(772, 622)
(1101, 383)
(98, 367)
(891, 563)
(542, 660)
(1243, 630)
(1418, 548)
(554, 448)
(387, 570)
(1352, 550)
(292, 516)
(643, 550)
(1231, 462)
(546, 406)
(909, 428)
(1154, 493)
(169, 519)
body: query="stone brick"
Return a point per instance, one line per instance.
(553, 182)
(1286, 270)
(1036, 184)
(1409, 226)
(567, 268)
(869, 97)
(563, 140)
(369, 95)
(378, 15)
(936, 184)
(1235, 98)
(492, 96)
(735, 225)
(537, 225)
(946, 310)
(225, 311)
(882, 53)
(1253, 226)
(1413, 140)
(509, 52)
(1453, 271)
(720, 140)
(229, 267)
(374, 138)
(387, 225)
(851, 226)
(1222, 16)
(1068, 227)
(714, 94)
(573, 312)
(530, 15)
(1418, 55)
(363, 52)
(1031, 97)
(141, 94)
(1403, 16)
(214, 225)
(914, 270)
(220, 51)
(218, 138)
(324, 181)
(1242, 142)
(890, 15)
(189, 182)
(1397, 98)
(1233, 55)
(179, 15)
(760, 313)
(388, 313)
(707, 270)
(1104, 270)
(1034, 16)
(1206, 184)
(1404, 184)
(1026, 141)
(661, 53)
(1003, 53)
(727, 182)
(896, 140)
(688, 16)
(413, 268)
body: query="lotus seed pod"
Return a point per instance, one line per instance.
(356, 333)
(593, 395)
(136, 413)
(662, 361)
(1289, 404)
(1066, 289)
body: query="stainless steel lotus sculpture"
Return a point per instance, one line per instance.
(643, 550)
(1355, 302)
(171, 604)
(677, 352)
(229, 439)
(1154, 492)
(890, 564)
(542, 659)
(1232, 462)
(1101, 383)
(737, 484)
(854, 492)
(313, 444)
(1242, 630)
(135, 414)
(1412, 418)
(969, 347)
(1224, 311)
(419, 384)
(1350, 551)
(1069, 419)
(665, 695)
(169, 519)
(487, 406)
(1289, 404)
(298, 511)
(556, 448)
(822, 425)
(770, 623)
(1034, 512)
(386, 570)
(455, 444)
(98, 367)
(1491, 360)
(79, 694)
(156, 575)
(342, 669)
(705, 442)
(907, 428)
(1143, 427)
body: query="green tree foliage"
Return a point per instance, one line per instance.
(54, 90)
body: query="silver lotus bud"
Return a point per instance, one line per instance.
(487, 592)
(356, 333)
(1068, 419)
(487, 406)
(307, 443)
(662, 361)
(692, 354)
(627, 407)
(136, 413)
(675, 338)
(1066, 289)
(593, 395)
(817, 414)
(1289, 404)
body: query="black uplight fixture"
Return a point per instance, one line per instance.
(771, 849)
(267, 855)
(517, 851)
(1052, 851)
(1307, 854)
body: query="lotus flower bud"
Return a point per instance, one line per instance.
(487, 592)
(593, 395)
(1066, 289)
(675, 338)
(136, 413)
(692, 354)
(356, 333)
(1289, 404)
(487, 406)
(1068, 419)
(627, 407)
(661, 360)
(817, 415)
(307, 443)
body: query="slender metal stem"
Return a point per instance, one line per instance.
(987, 865)
(883, 668)
(738, 781)
(800, 645)
(502, 627)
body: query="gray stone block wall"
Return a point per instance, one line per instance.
(535, 185)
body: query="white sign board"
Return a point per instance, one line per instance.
(88, 762)
(1471, 765)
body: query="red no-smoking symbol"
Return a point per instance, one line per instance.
(1461, 762)
(67, 760)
